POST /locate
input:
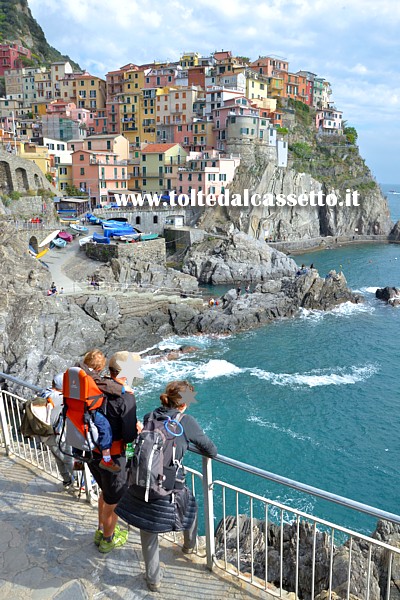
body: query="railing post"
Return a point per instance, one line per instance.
(208, 509)
(4, 425)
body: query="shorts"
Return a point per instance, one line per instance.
(112, 485)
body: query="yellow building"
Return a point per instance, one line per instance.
(37, 154)
(63, 176)
(90, 92)
(190, 59)
(129, 107)
(159, 165)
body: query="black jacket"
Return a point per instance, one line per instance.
(177, 511)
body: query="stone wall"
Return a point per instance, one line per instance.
(20, 175)
(249, 150)
(149, 219)
(152, 251)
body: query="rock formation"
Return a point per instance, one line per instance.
(42, 335)
(385, 532)
(238, 258)
(391, 295)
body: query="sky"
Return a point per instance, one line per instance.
(353, 44)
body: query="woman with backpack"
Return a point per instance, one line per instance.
(168, 504)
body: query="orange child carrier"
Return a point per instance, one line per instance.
(81, 398)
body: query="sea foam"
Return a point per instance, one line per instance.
(342, 376)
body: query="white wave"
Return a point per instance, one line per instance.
(162, 372)
(317, 377)
(311, 315)
(369, 290)
(216, 368)
(349, 308)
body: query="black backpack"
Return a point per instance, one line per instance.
(154, 467)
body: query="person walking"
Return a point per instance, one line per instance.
(176, 510)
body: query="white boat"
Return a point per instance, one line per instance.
(79, 228)
(49, 238)
(85, 240)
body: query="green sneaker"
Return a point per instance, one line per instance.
(98, 536)
(120, 538)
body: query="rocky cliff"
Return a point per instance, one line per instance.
(41, 335)
(17, 23)
(319, 163)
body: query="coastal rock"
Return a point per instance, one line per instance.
(238, 258)
(391, 295)
(385, 532)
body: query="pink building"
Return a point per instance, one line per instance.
(233, 107)
(270, 66)
(329, 120)
(99, 174)
(155, 78)
(12, 55)
(207, 172)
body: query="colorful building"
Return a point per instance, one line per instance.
(207, 172)
(13, 56)
(329, 120)
(159, 165)
(99, 174)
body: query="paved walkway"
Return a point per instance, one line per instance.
(47, 552)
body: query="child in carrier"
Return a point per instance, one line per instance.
(94, 362)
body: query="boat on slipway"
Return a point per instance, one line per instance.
(85, 240)
(49, 238)
(100, 239)
(60, 243)
(65, 236)
(79, 228)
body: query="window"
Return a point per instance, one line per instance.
(160, 157)
(82, 171)
(63, 170)
(144, 158)
(211, 177)
(222, 176)
(160, 182)
(108, 145)
(89, 145)
(81, 157)
(155, 219)
(138, 218)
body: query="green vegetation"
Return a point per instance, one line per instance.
(351, 134)
(282, 130)
(45, 193)
(301, 150)
(17, 23)
(71, 190)
(49, 177)
(15, 195)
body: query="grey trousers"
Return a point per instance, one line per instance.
(65, 463)
(151, 551)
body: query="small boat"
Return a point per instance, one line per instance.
(129, 237)
(42, 253)
(49, 238)
(80, 228)
(117, 231)
(100, 239)
(93, 220)
(116, 219)
(59, 243)
(65, 236)
(85, 240)
(148, 236)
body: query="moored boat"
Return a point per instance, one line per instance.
(65, 236)
(100, 239)
(80, 228)
(148, 236)
(60, 243)
(85, 240)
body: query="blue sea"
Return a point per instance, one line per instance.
(313, 398)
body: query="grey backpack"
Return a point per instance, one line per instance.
(154, 466)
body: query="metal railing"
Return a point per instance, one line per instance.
(268, 544)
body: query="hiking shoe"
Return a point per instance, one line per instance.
(153, 587)
(98, 536)
(120, 538)
(109, 466)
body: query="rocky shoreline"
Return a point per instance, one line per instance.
(375, 588)
(42, 335)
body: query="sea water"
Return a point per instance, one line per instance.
(314, 398)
